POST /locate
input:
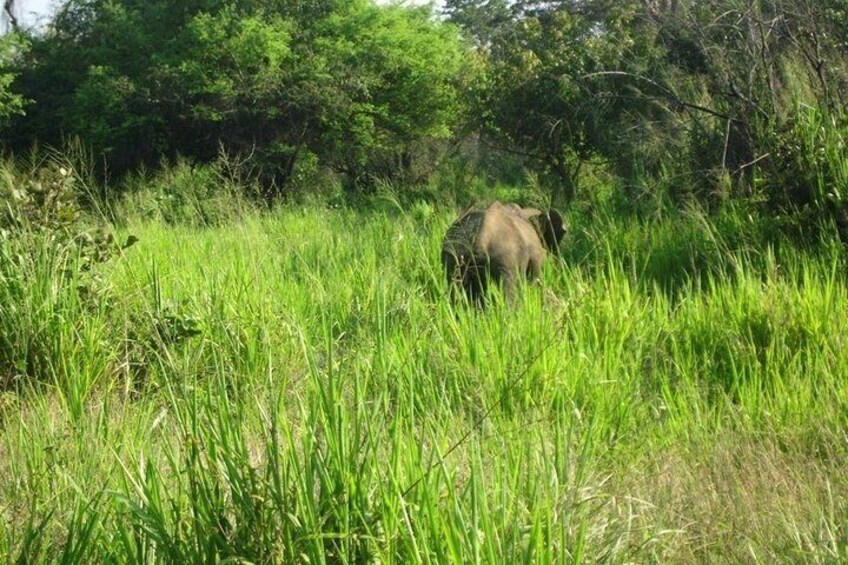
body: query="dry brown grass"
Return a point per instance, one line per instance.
(742, 499)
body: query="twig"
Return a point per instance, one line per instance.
(755, 161)
(668, 92)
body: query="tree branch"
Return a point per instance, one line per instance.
(669, 94)
(13, 21)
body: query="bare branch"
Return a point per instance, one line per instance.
(670, 95)
(13, 21)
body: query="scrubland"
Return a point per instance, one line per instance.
(294, 386)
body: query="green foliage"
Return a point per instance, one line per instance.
(12, 48)
(361, 87)
(405, 74)
(298, 387)
(50, 286)
(674, 103)
(741, 70)
(479, 18)
(808, 179)
(532, 87)
(682, 102)
(186, 194)
(665, 105)
(545, 91)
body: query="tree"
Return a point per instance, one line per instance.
(543, 96)
(12, 48)
(355, 85)
(479, 18)
(698, 92)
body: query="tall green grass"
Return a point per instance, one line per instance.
(297, 387)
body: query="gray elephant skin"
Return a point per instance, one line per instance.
(503, 243)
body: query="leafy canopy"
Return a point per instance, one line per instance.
(353, 83)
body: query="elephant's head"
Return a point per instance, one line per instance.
(549, 224)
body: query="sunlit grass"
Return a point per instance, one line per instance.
(297, 387)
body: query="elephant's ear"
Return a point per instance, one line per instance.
(523, 213)
(552, 227)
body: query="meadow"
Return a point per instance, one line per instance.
(294, 386)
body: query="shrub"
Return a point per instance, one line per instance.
(49, 284)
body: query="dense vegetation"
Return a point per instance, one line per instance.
(224, 332)
(295, 386)
(341, 84)
(667, 102)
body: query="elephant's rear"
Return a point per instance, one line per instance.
(502, 244)
(459, 257)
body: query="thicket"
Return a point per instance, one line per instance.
(679, 100)
(342, 86)
(652, 103)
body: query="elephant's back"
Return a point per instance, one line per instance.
(504, 226)
(463, 234)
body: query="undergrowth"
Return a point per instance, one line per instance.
(295, 386)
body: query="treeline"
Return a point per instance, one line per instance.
(676, 99)
(293, 85)
(664, 100)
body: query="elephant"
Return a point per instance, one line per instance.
(502, 243)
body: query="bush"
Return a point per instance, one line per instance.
(188, 194)
(807, 178)
(49, 284)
